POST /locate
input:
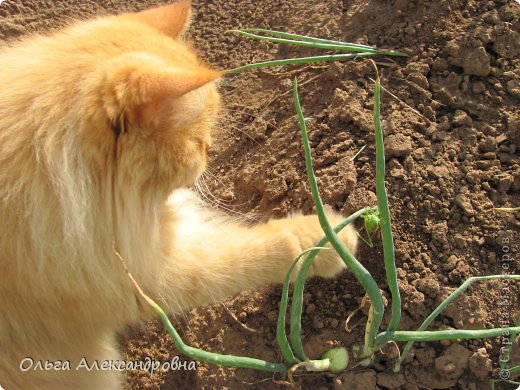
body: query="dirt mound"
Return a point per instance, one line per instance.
(451, 118)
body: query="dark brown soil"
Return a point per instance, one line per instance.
(452, 126)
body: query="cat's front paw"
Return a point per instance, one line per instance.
(308, 230)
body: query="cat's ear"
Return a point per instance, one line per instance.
(171, 19)
(135, 80)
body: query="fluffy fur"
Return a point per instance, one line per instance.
(102, 125)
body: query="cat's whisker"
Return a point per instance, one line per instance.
(208, 191)
(236, 122)
(237, 129)
(233, 118)
(214, 177)
(228, 110)
(212, 199)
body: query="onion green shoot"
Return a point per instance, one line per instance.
(302, 40)
(376, 218)
(384, 214)
(439, 309)
(302, 60)
(356, 50)
(297, 303)
(380, 218)
(507, 352)
(281, 336)
(253, 31)
(357, 269)
(196, 353)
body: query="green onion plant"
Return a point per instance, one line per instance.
(375, 218)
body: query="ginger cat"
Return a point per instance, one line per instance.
(102, 127)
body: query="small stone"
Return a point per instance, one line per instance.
(440, 64)
(272, 315)
(498, 87)
(408, 163)
(503, 237)
(398, 145)
(440, 232)
(425, 356)
(491, 17)
(311, 308)
(419, 79)
(472, 177)
(476, 62)
(478, 87)
(391, 381)
(497, 99)
(307, 297)
(480, 364)
(492, 257)
(227, 195)
(513, 87)
(427, 286)
(464, 204)
(397, 173)
(486, 164)
(401, 4)
(451, 263)
(352, 380)
(488, 144)
(440, 135)
(461, 118)
(505, 158)
(504, 182)
(506, 40)
(452, 363)
(460, 242)
(358, 199)
(439, 171)
(445, 343)
(317, 323)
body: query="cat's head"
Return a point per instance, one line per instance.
(148, 102)
(101, 119)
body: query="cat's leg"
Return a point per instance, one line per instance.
(208, 256)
